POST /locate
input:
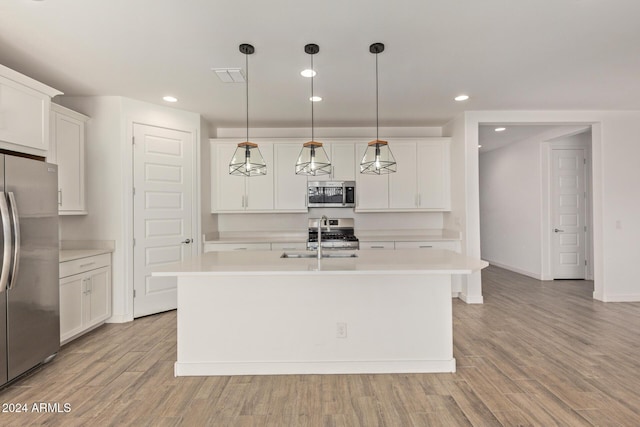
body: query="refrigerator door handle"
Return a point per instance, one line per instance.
(16, 239)
(6, 236)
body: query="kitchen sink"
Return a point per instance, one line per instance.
(315, 255)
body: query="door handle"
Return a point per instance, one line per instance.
(187, 241)
(557, 230)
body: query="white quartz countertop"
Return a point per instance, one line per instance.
(73, 254)
(393, 262)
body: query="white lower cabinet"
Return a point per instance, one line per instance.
(377, 245)
(447, 244)
(217, 247)
(289, 246)
(85, 295)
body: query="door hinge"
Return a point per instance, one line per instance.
(134, 191)
(585, 228)
(134, 293)
(133, 140)
(584, 161)
(134, 242)
(585, 262)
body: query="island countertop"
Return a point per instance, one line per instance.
(400, 261)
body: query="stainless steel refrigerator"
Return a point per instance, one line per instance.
(29, 289)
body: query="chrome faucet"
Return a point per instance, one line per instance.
(326, 224)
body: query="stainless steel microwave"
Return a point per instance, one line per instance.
(331, 194)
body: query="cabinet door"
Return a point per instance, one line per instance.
(99, 294)
(259, 196)
(24, 117)
(372, 191)
(229, 190)
(343, 161)
(403, 193)
(433, 175)
(69, 142)
(290, 190)
(71, 306)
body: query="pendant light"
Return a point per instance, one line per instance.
(313, 158)
(377, 159)
(247, 159)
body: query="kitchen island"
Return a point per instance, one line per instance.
(251, 313)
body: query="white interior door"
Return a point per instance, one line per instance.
(163, 192)
(568, 213)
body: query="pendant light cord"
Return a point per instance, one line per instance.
(312, 102)
(246, 67)
(377, 127)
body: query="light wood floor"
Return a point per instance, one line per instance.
(536, 353)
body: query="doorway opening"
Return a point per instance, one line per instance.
(536, 199)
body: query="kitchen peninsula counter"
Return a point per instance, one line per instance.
(250, 313)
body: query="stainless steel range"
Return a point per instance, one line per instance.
(336, 233)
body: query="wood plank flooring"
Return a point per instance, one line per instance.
(536, 353)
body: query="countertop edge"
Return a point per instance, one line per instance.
(74, 254)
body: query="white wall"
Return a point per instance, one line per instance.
(109, 167)
(616, 207)
(464, 209)
(512, 195)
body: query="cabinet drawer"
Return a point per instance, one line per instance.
(215, 247)
(451, 245)
(293, 246)
(377, 245)
(69, 268)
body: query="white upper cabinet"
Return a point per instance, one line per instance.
(372, 191)
(232, 193)
(67, 150)
(290, 190)
(343, 163)
(434, 175)
(421, 183)
(403, 186)
(24, 113)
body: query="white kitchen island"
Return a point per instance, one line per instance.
(251, 313)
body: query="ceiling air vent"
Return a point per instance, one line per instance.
(229, 75)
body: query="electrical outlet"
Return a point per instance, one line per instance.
(341, 330)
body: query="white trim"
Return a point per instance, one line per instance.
(120, 318)
(471, 299)
(320, 367)
(515, 270)
(617, 298)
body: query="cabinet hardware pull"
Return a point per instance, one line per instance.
(377, 247)
(425, 246)
(86, 265)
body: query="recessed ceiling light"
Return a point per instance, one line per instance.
(461, 97)
(500, 129)
(479, 146)
(308, 73)
(315, 98)
(170, 98)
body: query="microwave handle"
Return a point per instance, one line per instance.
(344, 194)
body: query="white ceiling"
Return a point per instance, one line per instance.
(526, 54)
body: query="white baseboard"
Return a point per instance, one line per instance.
(617, 298)
(119, 318)
(319, 367)
(471, 299)
(536, 276)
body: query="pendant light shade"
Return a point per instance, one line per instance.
(313, 159)
(377, 159)
(247, 159)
